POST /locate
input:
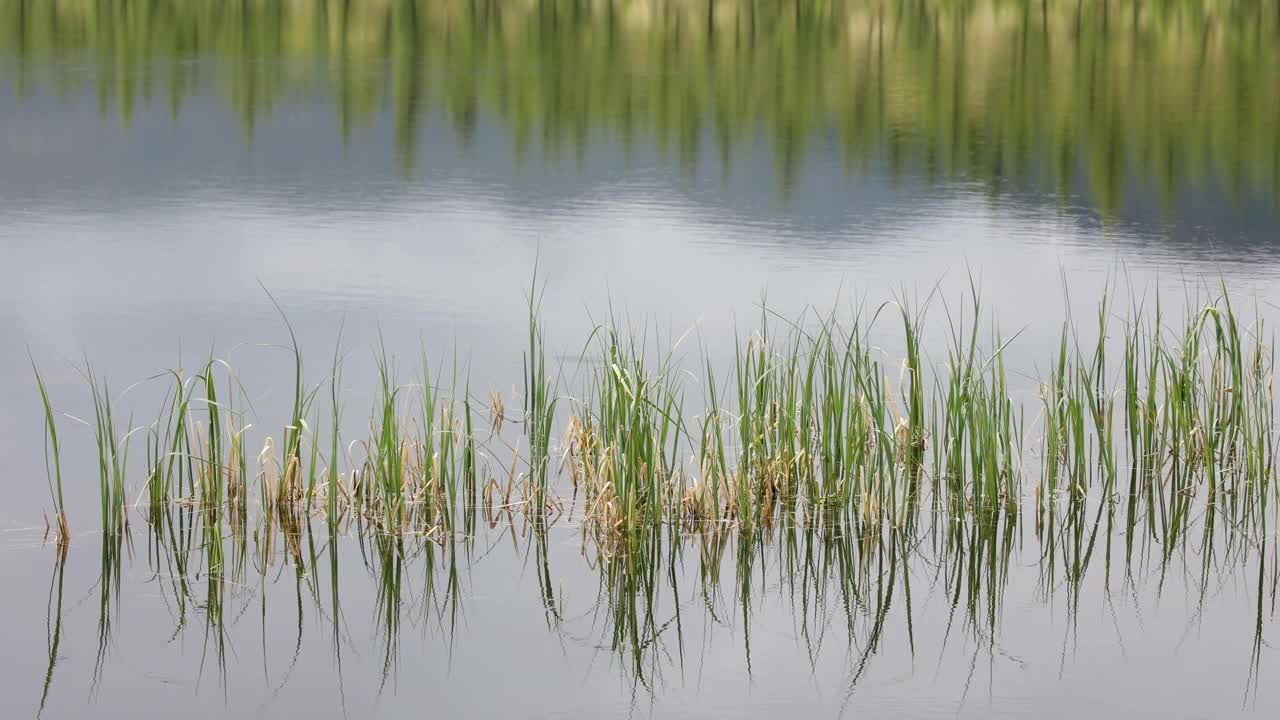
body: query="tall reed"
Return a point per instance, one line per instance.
(113, 455)
(53, 460)
(539, 398)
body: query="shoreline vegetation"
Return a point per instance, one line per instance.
(1138, 413)
(815, 464)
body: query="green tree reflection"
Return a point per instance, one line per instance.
(1168, 94)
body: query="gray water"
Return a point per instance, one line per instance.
(161, 170)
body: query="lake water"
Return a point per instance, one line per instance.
(393, 170)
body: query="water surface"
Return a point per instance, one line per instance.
(396, 168)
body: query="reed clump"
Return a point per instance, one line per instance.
(814, 427)
(834, 447)
(817, 418)
(1195, 427)
(625, 439)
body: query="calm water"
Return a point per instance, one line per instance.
(396, 168)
